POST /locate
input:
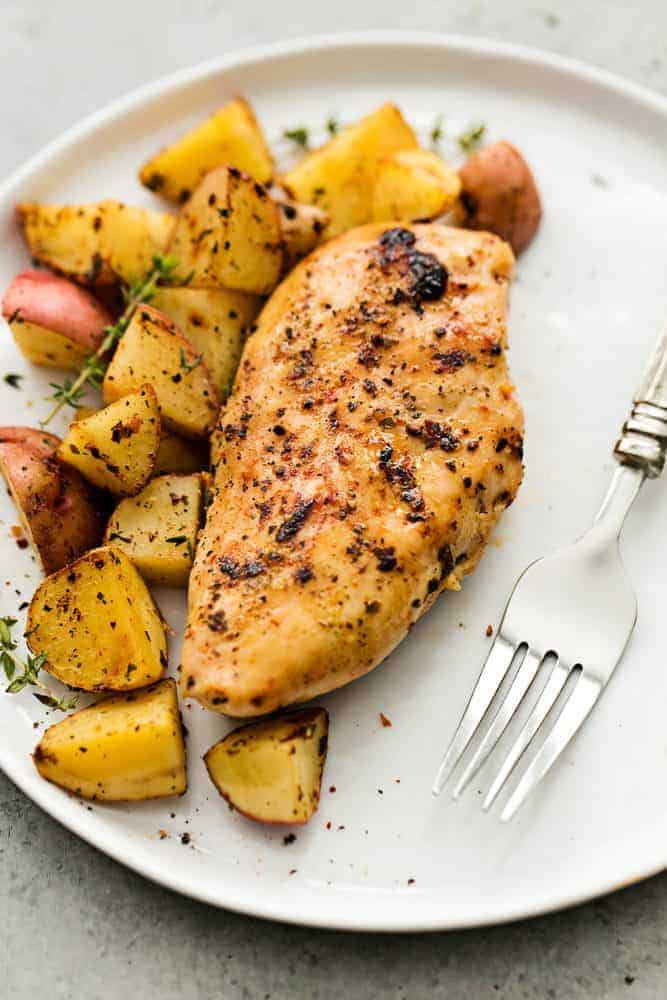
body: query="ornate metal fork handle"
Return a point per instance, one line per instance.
(643, 441)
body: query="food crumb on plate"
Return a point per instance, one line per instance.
(386, 722)
(162, 834)
(489, 630)
(289, 838)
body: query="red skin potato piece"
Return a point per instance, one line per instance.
(59, 305)
(62, 514)
(499, 194)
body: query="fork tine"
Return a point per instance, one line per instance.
(495, 667)
(579, 704)
(524, 678)
(543, 706)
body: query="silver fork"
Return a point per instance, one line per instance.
(568, 621)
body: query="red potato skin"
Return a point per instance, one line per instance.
(57, 304)
(64, 515)
(499, 195)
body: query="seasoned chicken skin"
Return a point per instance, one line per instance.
(370, 444)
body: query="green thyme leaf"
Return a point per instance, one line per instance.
(299, 136)
(437, 132)
(7, 665)
(117, 535)
(470, 139)
(190, 366)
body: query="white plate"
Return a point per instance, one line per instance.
(588, 300)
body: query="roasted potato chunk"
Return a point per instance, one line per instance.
(499, 194)
(53, 321)
(228, 234)
(174, 454)
(60, 513)
(98, 625)
(231, 137)
(126, 748)
(158, 528)
(271, 771)
(154, 350)
(302, 228)
(96, 243)
(340, 176)
(215, 321)
(116, 448)
(414, 184)
(179, 455)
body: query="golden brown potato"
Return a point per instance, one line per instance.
(302, 227)
(126, 748)
(98, 625)
(60, 513)
(340, 176)
(414, 184)
(153, 350)
(116, 448)
(228, 234)
(158, 528)
(176, 454)
(271, 771)
(215, 321)
(96, 243)
(499, 194)
(231, 137)
(53, 321)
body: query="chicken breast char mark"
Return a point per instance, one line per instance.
(371, 442)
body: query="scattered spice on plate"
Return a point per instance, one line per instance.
(386, 722)
(489, 630)
(185, 838)
(288, 839)
(162, 834)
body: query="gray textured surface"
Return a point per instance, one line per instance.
(75, 924)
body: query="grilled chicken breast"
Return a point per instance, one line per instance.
(372, 440)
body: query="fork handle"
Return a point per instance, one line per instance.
(643, 440)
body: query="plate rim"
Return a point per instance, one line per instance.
(105, 839)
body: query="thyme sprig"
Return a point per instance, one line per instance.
(471, 138)
(70, 392)
(437, 131)
(179, 540)
(23, 673)
(189, 366)
(299, 135)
